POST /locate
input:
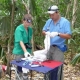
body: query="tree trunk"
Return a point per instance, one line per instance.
(26, 7)
(68, 9)
(74, 13)
(10, 39)
(73, 22)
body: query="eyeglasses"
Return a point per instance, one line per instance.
(29, 20)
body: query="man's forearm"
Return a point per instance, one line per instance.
(66, 36)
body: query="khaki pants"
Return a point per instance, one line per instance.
(56, 54)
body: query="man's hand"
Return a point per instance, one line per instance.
(47, 33)
(53, 34)
(27, 54)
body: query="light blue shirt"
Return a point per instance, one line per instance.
(62, 26)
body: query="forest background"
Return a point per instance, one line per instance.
(12, 11)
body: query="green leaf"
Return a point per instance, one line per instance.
(76, 59)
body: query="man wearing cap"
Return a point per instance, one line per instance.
(58, 28)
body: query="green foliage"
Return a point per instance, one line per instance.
(76, 39)
(76, 59)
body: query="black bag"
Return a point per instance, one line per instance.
(27, 45)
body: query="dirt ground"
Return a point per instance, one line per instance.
(71, 72)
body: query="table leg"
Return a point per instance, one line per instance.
(30, 74)
(10, 71)
(61, 73)
(46, 76)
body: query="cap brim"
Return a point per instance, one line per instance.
(51, 12)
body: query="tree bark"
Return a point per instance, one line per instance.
(68, 9)
(73, 22)
(10, 39)
(74, 13)
(26, 7)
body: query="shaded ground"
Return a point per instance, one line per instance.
(71, 72)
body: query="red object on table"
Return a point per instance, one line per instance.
(51, 64)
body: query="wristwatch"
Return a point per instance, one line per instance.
(58, 34)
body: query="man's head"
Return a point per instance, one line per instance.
(54, 12)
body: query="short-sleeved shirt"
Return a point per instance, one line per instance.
(21, 34)
(62, 26)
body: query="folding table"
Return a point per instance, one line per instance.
(47, 67)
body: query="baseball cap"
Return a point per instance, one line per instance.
(52, 9)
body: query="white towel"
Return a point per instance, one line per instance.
(42, 53)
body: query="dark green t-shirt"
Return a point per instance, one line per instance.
(21, 35)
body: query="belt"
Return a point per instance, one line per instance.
(54, 45)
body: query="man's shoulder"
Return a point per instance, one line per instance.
(49, 20)
(64, 19)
